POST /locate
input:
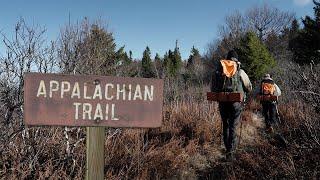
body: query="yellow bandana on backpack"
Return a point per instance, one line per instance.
(229, 67)
(268, 88)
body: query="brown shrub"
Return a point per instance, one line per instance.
(187, 145)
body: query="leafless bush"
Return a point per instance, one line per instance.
(264, 20)
(27, 51)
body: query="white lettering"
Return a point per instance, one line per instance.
(65, 87)
(123, 91)
(42, 89)
(137, 93)
(76, 91)
(113, 113)
(129, 94)
(107, 90)
(97, 92)
(85, 89)
(148, 93)
(53, 88)
(77, 105)
(98, 112)
(87, 108)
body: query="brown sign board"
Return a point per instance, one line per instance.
(89, 100)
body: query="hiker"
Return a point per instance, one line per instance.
(229, 77)
(268, 93)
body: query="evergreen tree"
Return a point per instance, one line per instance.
(157, 57)
(97, 52)
(177, 61)
(173, 61)
(294, 27)
(254, 56)
(193, 55)
(195, 67)
(130, 55)
(146, 64)
(158, 65)
(122, 57)
(305, 45)
(166, 63)
(171, 69)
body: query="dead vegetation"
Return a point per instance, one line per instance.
(187, 146)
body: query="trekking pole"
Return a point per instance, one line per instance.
(240, 130)
(278, 114)
(240, 136)
(244, 107)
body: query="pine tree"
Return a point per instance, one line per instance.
(177, 61)
(171, 68)
(255, 58)
(130, 55)
(195, 67)
(193, 55)
(97, 52)
(157, 57)
(305, 45)
(174, 61)
(146, 64)
(158, 65)
(122, 57)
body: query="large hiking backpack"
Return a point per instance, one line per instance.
(267, 87)
(227, 77)
(267, 91)
(226, 83)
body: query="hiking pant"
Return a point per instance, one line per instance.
(230, 115)
(269, 111)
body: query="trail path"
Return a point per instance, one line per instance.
(251, 128)
(249, 132)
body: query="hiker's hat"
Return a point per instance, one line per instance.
(232, 55)
(267, 77)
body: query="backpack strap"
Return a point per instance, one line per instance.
(235, 82)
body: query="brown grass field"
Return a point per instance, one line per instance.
(187, 146)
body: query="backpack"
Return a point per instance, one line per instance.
(267, 87)
(227, 77)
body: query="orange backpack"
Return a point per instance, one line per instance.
(229, 68)
(268, 88)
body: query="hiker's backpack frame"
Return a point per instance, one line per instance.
(225, 89)
(267, 97)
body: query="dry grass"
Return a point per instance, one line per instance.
(187, 146)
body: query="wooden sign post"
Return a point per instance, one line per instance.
(95, 153)
(94, 102)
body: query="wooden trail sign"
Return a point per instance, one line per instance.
(88, 100)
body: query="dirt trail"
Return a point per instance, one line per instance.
(251, 126)
(249, 132)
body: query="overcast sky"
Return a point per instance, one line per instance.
(140, 23)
